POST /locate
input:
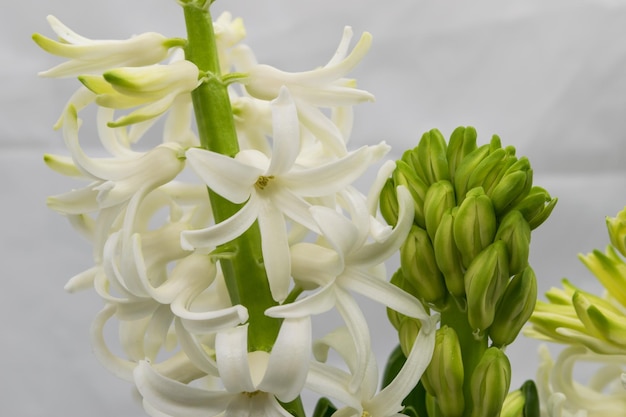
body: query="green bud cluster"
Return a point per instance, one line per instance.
(475, 207)
(466, 256)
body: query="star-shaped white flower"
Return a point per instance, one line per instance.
(271, 189)
(334, 383)
(253, 381)
(349, 265)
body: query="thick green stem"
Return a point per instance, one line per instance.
(244, 272)
(472, 347)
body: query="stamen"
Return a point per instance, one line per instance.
(262, 182)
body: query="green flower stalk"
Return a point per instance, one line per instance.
(467, 258)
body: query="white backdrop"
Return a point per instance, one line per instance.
(548, 76)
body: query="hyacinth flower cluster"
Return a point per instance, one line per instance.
(214, 248)
(466, 257)
(593, 328)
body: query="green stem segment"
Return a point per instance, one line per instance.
(244, 272)
(472, 347)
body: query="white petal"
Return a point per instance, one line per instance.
(226, 176)
(389, 399)
(224, 231)
(317, 303)
(314, 265)
(339, 231)
(119, 367)
(176, 399)
(383, 292)
(286, 138)
(275, 249)
(334, 176)
(294, 207)
(342, 48)
(231, 350)
(357, 325)
(331, 382)
(377, 252)
(205, 322)
(288, 365)
(373, 196)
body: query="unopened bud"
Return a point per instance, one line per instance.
(485, 282)
(536, 206)
(490, 383)
(462, 143)
(388, 202)
(514, 231)
(617, 231)
(465, 169)
(490, 167)
(439, 199)
(419, 267)
(429, 158)
(448, 256)
(407, 333)
(445, 374)
(474, 225)
(513, 186)
(405, 175)
(515, 308)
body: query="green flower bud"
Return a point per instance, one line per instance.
(439, 198)
(405, 175)
(448, 256)
(489, 167)
(513, 405)
(465, 169)
(536, 206)
(388, 202)
(399, 281)
(474, 225)
(490, 383)
(429, 158)
(444, 376)
(419, 267)
(513, 187)
(515, 308)
(514, 231)
(407, 333)
(494, 177)
(617, 231)
(531, 399)
(485, 282)
(462, 143)
(600, 322)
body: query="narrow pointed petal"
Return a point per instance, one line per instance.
(119, 367)
(383, 292)
(228, 177)
(275, 248)
(317, 303)
(357, 325)
(389, 399)
(192, 348)
(224, 231)
(231, 349)
(328, 381)
(294, 207)
(205, 322)
(289, 359)
(377, 252)
(334, 176)
(177, 399)
(339, 231)
(286, 138)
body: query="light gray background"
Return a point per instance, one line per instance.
(548, 76)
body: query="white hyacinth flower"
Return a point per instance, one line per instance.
(366, 401)
(272, 189)
(253, 381)
(348, 266)
(95, 56)
(322, 87)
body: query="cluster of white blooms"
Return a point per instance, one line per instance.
(155, 242)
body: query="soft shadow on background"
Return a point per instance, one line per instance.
(548, 76)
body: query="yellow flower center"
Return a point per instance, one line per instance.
(251, 394)
(262, 181)
(365, 414)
